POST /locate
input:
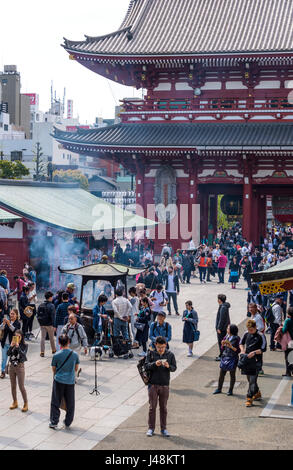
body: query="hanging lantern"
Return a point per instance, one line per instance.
(231, 205)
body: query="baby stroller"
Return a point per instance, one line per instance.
(122, 347)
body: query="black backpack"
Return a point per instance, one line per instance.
(269, 316)
(145, 374)
(43, 315)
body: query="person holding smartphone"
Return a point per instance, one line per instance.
(17, 357)
(160, 363)
(229, 358)
(8, 327)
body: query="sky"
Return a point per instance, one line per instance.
(31, 35)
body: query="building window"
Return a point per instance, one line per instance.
(16, 155)
(5, 127)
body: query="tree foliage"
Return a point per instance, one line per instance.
(12, 170)
(222, 218)
(71, 176)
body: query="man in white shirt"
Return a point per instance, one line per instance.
(277, 312)
(122, 311)
(160, 299)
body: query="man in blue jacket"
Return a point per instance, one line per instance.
(160, 328)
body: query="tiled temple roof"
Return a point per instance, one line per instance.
(196, 27)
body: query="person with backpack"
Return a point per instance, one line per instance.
(160, 328)
(190, 319)
(75, 333)
(274, 318)
(159, 364)
(46, 317)
(64, 365)
(229, 359)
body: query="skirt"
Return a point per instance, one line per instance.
(234, 279)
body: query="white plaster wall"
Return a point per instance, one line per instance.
(12, 232)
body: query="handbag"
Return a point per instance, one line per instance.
(139, 326)
(196, 335)
(28, 311)
(228, 362)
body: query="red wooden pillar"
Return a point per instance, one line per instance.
(263, 216)
(247, 209)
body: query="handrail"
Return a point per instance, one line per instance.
(207, 104)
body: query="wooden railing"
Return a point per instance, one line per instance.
(211, 104)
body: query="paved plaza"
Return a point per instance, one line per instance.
(121, 405)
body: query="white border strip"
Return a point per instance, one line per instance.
(266, 413)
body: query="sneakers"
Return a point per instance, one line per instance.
(150, 433)
(53, 426)
(142, 354)
(229, 393)
(257, 396)
(215, 392)
(190, 354)
(66, 427)
(165, 433)
(218, 359)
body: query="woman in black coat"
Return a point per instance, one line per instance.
(190, 319)
(143, 318)
(23, 303)
(229, 358)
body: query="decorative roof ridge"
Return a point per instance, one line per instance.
(105, 36)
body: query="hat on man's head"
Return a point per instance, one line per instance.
(70, 285)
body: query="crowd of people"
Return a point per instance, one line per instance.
(139, 316)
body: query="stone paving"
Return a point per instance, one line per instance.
(122, 392)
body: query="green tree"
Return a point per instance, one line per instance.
(41, 167)
(12, 170)
(222, 218)
(71, 176)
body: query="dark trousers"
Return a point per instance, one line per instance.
(252, 387)
(25, 324)
(209, 272)
(274, 327)
(173, 296)
(221, 272)
(156, 392)
(58, 392)
(202, 273)
(232, 379)
(288, 371)
(186, 274)
(221, 336)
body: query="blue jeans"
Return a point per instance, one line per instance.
(120, 325)
(4, 357)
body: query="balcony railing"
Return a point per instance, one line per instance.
(211, 104)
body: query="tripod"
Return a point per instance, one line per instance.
(95, 389)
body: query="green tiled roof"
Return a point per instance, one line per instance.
(69, 208)
(6, 217)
